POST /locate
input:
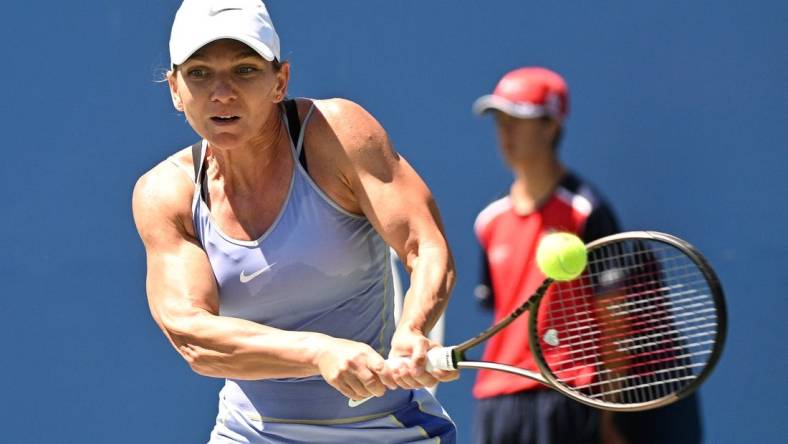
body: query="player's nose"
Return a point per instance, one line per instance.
(223, 90)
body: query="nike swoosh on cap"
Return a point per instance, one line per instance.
(213, 11)
(248, 277)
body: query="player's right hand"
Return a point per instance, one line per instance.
(354, 368)
(408, 360)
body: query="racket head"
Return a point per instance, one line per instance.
(642, 327)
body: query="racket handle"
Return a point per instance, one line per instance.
(440, 358)
(390, 362)
(437, 358)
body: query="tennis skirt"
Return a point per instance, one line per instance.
(421, 419)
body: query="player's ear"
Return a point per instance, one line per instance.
(282, 80)
(552, 129)
(173, 84)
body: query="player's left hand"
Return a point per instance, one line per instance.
(410, 373)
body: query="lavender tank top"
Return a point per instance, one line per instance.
(318, 268)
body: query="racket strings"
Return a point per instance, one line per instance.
(622, 329)
(578, 331)
(639, 325)
(638, 345)
(625, 317)
(613, 379)
(644, 363)
(657, 355)
(580, 291)
(584, 284)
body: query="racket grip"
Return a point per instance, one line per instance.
(437, 358)
(440, 358)
(391, 362)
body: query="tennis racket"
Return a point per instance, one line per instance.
(642, 326)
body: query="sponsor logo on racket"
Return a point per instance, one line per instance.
(551, 337)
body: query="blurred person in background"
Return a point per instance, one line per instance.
(530, 106)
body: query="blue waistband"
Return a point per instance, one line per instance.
(305, 400)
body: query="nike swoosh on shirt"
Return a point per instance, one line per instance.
(248, 277)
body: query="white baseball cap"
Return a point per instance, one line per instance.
(199, 22)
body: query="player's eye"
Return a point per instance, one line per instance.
(197, 73)
(245, 70)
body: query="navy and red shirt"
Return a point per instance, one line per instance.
(510, 274)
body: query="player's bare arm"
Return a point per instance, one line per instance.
(183, 299)
(357, 166)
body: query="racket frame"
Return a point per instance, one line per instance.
(545, 374)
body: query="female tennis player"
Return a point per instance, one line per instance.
(267, 247)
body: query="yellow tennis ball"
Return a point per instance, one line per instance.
(561, 256)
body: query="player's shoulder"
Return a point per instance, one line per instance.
(343, 135)
(165, 191)
(338, 108)
(169, 175)
(348, 122)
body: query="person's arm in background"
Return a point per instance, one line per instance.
(483, 290)
(600, 223)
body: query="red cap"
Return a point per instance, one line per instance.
(528, 93)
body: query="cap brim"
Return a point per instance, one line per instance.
(259, 47)
(520, 110)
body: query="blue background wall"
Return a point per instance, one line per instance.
(678, 114)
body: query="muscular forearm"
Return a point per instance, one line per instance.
(226, 347)
(431, 281)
